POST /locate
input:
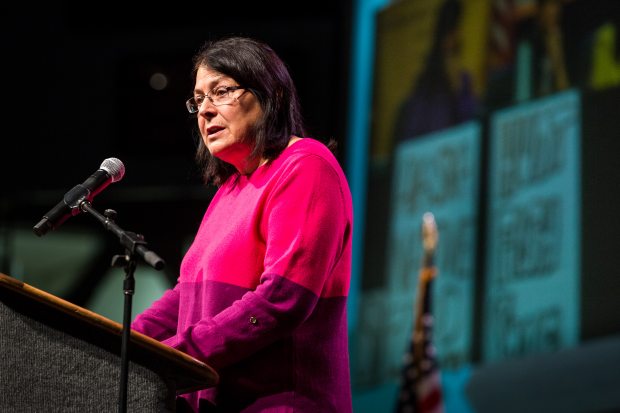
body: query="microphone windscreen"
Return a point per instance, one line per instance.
(114, 167)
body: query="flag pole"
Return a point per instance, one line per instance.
(420, 381)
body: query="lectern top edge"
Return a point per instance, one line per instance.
(189, 373)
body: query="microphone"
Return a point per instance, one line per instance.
(111, 170)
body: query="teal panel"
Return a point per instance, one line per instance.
(533, 248)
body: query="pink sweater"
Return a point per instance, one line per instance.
(262, 292)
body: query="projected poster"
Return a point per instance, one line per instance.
(533, 248)
(428, 75)
(438, 173)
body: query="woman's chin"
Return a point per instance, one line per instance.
(215, 147)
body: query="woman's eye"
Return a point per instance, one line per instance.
(220, 91)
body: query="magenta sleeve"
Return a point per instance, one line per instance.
(159, 321)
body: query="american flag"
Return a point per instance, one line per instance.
(420, 390)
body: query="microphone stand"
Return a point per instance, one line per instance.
(134, 245)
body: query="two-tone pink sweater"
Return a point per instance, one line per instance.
(262, 292)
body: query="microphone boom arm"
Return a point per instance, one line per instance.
(134, 243)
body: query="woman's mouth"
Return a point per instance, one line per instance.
(214, 131)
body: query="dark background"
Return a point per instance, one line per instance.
(77, 80)
(76, 91)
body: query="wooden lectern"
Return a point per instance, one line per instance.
(57, 356)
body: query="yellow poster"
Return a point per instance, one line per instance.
(428, 68)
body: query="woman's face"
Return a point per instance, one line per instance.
(227, 130)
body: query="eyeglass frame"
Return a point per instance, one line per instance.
(189, 103)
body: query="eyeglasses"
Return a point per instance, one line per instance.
(220, 95)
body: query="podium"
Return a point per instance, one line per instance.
(57, 356)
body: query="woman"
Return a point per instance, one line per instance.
(261, 295)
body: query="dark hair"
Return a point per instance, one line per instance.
(255, 66)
